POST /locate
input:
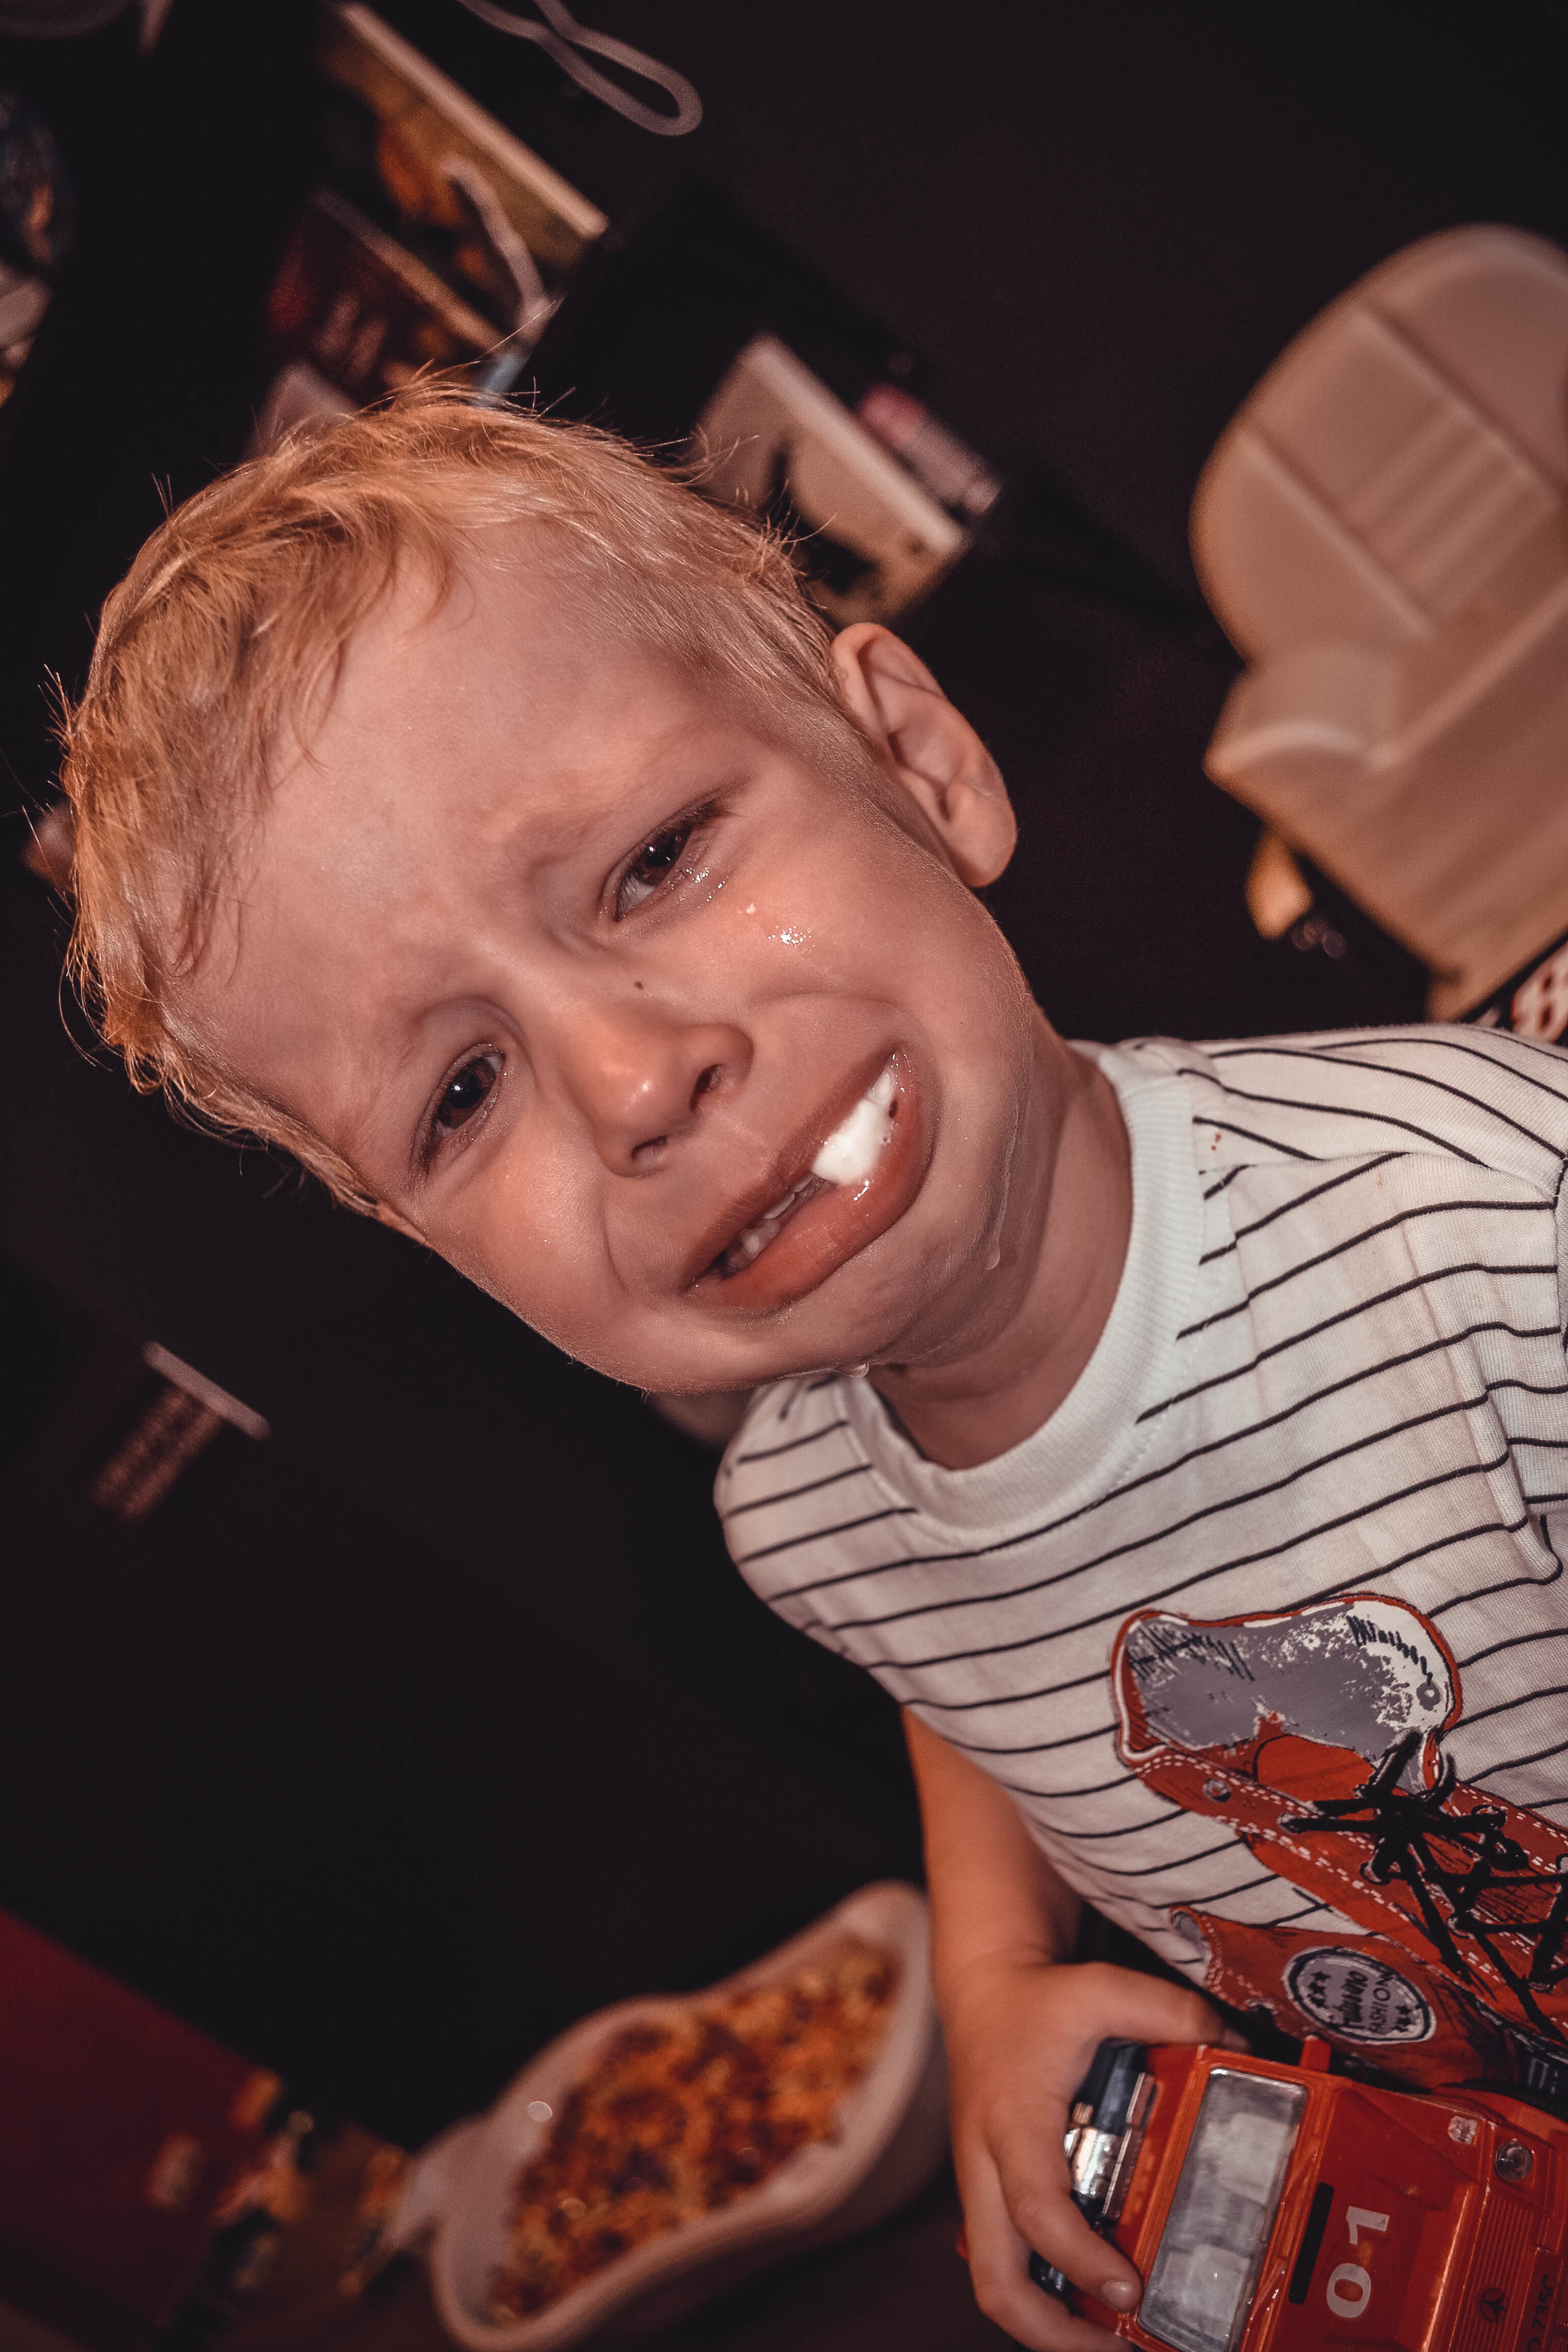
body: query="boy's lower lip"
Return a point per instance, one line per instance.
(834, 1224)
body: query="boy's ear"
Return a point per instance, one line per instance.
(933, 750)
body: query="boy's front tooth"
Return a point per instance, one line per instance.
(778, 1208)
(850, 1152)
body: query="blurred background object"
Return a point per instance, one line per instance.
(59, 20)
(1384, 532)
(572, 45)
(147, 2175)
(431, 207)
(37, 223)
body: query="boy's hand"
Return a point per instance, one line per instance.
(1020, 2036)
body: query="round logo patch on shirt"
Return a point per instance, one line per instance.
(1357, 1998)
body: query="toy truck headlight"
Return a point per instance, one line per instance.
(1213, 2240)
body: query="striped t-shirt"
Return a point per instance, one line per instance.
(1265, 1629)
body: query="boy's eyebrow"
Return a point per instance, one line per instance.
(559, 823)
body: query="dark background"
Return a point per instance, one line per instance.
(389, 1746)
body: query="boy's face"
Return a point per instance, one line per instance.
(579, 959)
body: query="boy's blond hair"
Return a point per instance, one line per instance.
(229, 630)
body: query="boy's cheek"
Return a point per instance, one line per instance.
(561, 1281)
(552, 1273)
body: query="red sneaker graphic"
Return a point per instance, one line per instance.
(1324, 1754)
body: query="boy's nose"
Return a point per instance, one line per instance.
(642, 1081)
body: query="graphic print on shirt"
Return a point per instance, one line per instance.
(1316, 1737)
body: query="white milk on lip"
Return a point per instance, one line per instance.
(851, 1150)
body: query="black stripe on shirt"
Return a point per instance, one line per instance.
(1326, 1052)
(1039, 1746)
(791, 1494)
(1536, 1208)
(1140, 1543)
(1446, 1148)
(1132, 1829)
(1505, 1706)
(1355, 1582)
(1232, 1844)
(819, 1535)
(1335, 1387)
(1228, 1895)
(1204, 1576)
(1517, 1764)
(1214, 1445)
(1233, 1437)
(1345, 1315)
(766, 1452)
(1517, 1642)
(1425, 1551)
(1286, 1917)
(1100, 1788)
(1248, 1135)
(1299, 1200)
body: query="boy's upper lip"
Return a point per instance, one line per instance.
(788, 1169)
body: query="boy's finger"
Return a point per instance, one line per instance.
(1044, 2215)
(1147, 2009)
(999, 2267)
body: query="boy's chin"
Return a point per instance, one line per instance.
(736, 1371)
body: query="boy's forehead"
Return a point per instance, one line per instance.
(509, 699)
(467, 743)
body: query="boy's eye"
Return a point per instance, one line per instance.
(653, 863)
(466, 1092)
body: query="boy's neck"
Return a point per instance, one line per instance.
(982, 1402)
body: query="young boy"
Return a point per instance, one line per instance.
(1176, 1431)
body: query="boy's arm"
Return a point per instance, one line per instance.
(1021, 2024)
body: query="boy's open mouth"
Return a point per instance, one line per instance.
(849, 1156)
(859, 1178)
(748, 1244)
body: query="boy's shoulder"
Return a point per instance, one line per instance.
(1474, 1099)
(796, 1440)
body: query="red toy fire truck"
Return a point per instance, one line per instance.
(1274, 2208)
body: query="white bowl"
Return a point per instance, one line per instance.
(892, 2132)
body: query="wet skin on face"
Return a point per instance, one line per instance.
(578, 958)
